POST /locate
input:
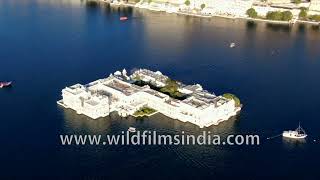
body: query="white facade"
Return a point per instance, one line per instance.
(237, 8)
(279, 1)
(85, 102)
(228, 8)
(314, 5)
(118, 93)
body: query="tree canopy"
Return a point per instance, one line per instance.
(234, 97)
(274, 15)
(279, 16)
(297, 1)
(303, 13)
(203, 6)
(315, 18)
(187, 2)
(287, 15)
(252, 13)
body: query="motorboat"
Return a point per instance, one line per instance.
(132, 129)
(299, 133)
(5, 84)
(123, 18)
(232, 45)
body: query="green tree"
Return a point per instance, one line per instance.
(137, 78)
(171, 85)
(279, 16)
(315, 18)
(203, 6)
(297, 1)
(187, 2)
(234, 97)
(274, 15)
(287, 15)
(252, 13)
(303, 13)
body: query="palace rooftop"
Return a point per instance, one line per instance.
(119, 93)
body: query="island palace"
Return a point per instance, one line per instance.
(121, 93)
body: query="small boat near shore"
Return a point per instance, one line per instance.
(299, 133)
(232, 45)
(132, 129)
(123, 18)
(5, 84)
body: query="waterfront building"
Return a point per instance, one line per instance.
(279, 1)
(119, 93)
(262, 8)
(84, 101)
(235, 8)
(314, 5)
(227, 8)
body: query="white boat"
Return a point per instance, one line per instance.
(299, 133)
(232, 45)
(5, 84)
(132, 129)
(115, 3)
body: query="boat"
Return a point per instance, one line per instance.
(299, 133)
(5, 84)
(115, 3)
(232, 45)
(132, 129)
(123, 18)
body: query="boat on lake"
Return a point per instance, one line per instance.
(232, 45)
(5, 84)
(123, 18)
(299, 133)
(132, 129)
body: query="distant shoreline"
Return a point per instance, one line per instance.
(218, 15)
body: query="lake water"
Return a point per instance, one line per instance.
(47, 45)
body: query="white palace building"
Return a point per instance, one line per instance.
(119, 93)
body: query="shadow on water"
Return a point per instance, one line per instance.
(251, 25)
(92, 4)
(301, 28)
(315, 27)
(108, 10)
(293, 143)
(74, 122)
(7, 89)
(279, 27)
(120, 10)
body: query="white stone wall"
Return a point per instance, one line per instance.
(80, 103)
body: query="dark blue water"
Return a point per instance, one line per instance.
(47, 45)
